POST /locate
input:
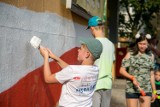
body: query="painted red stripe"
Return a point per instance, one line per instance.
(32, 91)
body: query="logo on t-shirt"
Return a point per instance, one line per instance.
(76, 78)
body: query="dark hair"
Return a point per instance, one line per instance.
(133, 47)
(154, 40)
(157, 70)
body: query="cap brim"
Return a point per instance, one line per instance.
(99, 24)
(102, 23)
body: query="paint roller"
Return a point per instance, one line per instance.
(35, 42)
(139, 88)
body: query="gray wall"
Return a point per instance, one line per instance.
(17, 26)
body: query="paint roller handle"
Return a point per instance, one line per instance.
(137, 84)
(141, 91)
(40, 46)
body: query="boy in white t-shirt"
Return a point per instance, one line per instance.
(78, 80)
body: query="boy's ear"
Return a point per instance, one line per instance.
(88, 54)
(91, 28)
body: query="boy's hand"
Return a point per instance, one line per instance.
(51, 54)
(153, 97)
(44, 52)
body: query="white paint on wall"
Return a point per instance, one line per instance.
(17, 26)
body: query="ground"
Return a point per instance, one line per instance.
(118, 93)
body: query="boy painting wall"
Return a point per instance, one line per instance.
(78, 80)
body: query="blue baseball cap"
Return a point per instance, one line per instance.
(95, 21)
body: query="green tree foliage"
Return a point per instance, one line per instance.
(140, 16)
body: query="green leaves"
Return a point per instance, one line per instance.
(137, 14)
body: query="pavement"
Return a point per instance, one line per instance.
(118, 93)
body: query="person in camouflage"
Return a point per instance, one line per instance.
(137, 66)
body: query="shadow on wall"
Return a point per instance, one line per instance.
(32, 91)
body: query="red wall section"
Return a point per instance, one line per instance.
(32, 91)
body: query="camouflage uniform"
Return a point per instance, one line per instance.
(140, 67)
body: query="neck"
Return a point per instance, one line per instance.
(87, 62)
(99, 34)
(141, 52)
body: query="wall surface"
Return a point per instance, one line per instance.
(20, 63)
(51, 6)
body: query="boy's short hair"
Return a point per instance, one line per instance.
(94, 46)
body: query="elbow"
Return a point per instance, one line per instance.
(47, 81)
(121, 71)
(50, 79)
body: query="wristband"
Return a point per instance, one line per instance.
(154, 92)
(132, 78)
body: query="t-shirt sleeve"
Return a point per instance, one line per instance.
(64, 75)
(125, 62)
(151, 65)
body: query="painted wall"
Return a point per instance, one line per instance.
(20, 63)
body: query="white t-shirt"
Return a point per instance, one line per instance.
(78, 85)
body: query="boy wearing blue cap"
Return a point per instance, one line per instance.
(78, 80)
(102, 95)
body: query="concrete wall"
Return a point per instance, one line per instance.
(58, 30)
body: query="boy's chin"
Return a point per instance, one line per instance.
(158, 80)
(80, 61)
